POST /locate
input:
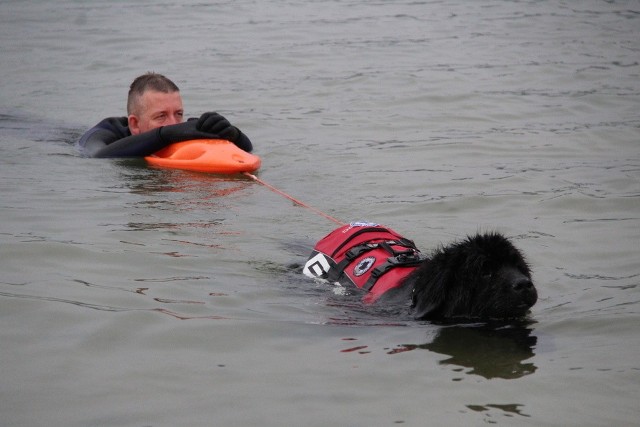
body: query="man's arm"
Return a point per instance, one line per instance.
(208, 126)
(100, 142)
(104, 133)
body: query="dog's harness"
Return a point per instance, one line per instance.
(369, 256)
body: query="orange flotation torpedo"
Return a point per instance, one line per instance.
(205, 155)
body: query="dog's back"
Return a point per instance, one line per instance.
(368, 256)
(484, 276)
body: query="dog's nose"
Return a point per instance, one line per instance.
(522, 284)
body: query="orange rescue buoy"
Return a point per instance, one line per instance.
(205, 155)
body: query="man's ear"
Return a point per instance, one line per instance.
(134, 124)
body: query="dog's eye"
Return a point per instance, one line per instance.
(488, 275)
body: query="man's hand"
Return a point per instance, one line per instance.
(215, 124)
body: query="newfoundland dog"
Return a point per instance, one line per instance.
(481, 277)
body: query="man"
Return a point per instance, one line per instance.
(154, 109)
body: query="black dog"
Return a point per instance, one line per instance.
(482, 277)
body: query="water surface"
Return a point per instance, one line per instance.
(133, 296)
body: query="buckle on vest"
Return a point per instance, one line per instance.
(407, 258)
(356, 251)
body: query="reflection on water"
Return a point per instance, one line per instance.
(507, 409)
(487, 350)
(180, 201)
(142, 178)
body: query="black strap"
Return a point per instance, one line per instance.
(359, 232)
(349, 256)
(407, 258)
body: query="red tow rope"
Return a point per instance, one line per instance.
(296, 201)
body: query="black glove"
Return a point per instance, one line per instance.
(209, 125)
(215, 124)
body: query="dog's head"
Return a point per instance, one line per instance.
(482, 277)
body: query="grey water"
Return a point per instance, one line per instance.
(134, 296)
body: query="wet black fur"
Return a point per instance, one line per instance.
(481, 277)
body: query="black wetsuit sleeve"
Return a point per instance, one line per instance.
(140, 145)
(187, 130)
(101, 135)
(101, 141)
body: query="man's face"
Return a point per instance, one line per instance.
(156, 109)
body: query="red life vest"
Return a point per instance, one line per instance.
(369, 256)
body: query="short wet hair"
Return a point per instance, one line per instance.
(148, 81)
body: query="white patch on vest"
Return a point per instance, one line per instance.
(359, 224)
(317, 266)
(363, 224)
(363, 266)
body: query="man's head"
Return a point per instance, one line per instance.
(153, 101)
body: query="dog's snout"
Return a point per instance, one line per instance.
(516, 280)
(522, 284)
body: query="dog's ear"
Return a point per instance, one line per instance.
(430, 283)
(426, 306)
(425, 311)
